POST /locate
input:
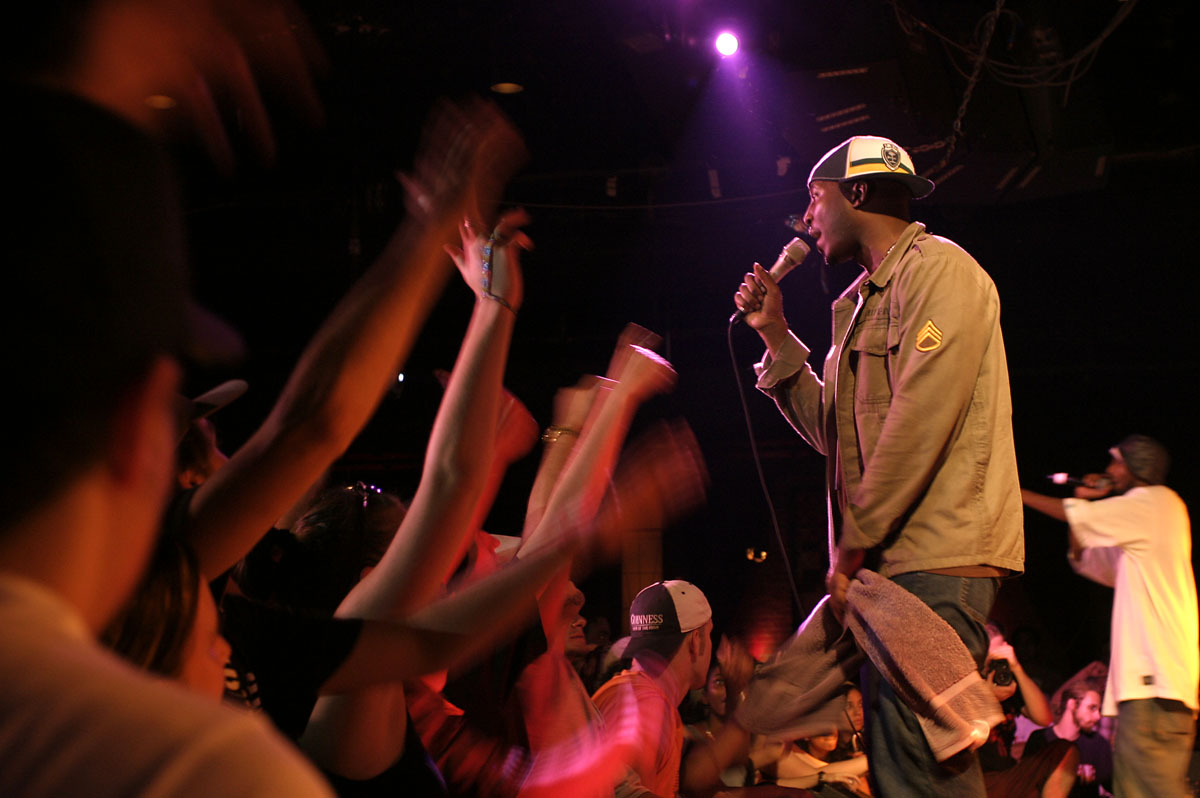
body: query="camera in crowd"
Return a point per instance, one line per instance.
(1003, 675)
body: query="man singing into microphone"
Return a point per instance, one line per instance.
(912, 411)
(1129, 531)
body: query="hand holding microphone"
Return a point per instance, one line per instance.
(1097, 481)
(1089, 486)
(759, 290)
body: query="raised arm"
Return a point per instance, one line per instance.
(641, 373)
(784, 373)
(458, 457)
(572, 409)
(344, 371)
(360, 734)
(1037, 708)
(452, 630)
(1047, 505)
(572, 405)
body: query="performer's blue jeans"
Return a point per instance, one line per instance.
(902, 764)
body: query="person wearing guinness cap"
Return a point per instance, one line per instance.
(913, 412)
(670, 642)
(1131, 532)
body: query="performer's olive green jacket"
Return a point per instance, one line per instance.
(913, 413)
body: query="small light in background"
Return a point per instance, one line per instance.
(507, 87)
(756, 555)
(397, 387)
(726, 43)
(160, 102)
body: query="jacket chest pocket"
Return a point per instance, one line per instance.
(871, 346)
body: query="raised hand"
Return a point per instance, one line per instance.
(632, 335)
(1002, 650)
(759, 298)
(490, 264)
(1095, 486)
(662, 477)
(185, 53)
(467, 154)
(644, 374)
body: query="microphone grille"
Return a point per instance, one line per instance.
(797, 249)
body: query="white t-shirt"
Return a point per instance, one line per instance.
(1155, 642)
(75, 720)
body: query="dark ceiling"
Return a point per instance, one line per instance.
(658, 172)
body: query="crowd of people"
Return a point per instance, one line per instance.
(180, 620)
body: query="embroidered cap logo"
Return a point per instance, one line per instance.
(891, 155)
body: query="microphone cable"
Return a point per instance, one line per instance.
(762, 480)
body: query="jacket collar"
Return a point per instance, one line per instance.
(883, 274)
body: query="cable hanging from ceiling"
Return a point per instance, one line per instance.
(1058, 73)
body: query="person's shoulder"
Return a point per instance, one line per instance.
(635, 687)
(937, 258)
(1147, 498)
(1039, 739)
(101, 727)
(1159, 493)
(930, 245)
(208, 748)
(1093, 739)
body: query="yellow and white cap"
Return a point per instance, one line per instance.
(862, 157)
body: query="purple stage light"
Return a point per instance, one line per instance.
(727, 43)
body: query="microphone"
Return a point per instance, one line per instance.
(1063, 478)
(793, 253)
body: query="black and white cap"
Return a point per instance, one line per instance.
(662, 615)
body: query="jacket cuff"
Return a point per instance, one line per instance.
(791, 358)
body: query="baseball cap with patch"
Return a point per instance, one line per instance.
(663, 614)
(861, 157)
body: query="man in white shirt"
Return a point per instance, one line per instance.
(1136, 537)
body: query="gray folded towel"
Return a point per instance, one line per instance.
(796, 695)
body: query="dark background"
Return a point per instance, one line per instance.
(1074, 191)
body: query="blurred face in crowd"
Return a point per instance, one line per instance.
(203, 435)
(1119, 473)
(703, 638)
(822, 745)
(573, 622)
(854, 708)
(1086, 712)
(714, 692)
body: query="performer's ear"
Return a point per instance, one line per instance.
(860, 192)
